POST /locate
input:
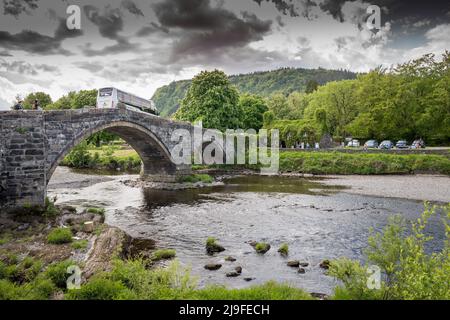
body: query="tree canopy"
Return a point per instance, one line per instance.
(212, 99)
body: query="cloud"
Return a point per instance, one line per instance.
(109, 24)
(17, 7)
(132, 8)
(34, 42)
(285, 7)
(151, 29)
(206, 29)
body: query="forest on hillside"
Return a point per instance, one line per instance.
(285, 81)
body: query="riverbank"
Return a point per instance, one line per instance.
(43, 253)
(338, 163)
(317, 162)
(434, 188)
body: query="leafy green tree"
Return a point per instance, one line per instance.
(76, 100)
(213, 100)
(43, 98)
(253, 107)
(311, 86)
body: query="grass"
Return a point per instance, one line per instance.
(80, 244)
(361, 163)
(60, 236)
(163, 254)
(57, 273)
(284, 249)
(205, 178)
(131, 280)
(99, 211)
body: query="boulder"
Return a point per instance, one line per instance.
(301, 270)
(238, 269)
(293, 263)
(232, 274)
(213, 266)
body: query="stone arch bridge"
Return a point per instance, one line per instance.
(33, 143)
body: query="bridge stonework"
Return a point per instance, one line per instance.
(33, 143)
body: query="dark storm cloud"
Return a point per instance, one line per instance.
(34, 42)
(286, 7)
(17, 7)
(207, 29)
(132, 8)
(109, 24)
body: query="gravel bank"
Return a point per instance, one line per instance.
(415, 187)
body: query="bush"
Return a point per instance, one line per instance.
(205, 178)
(163, 254)
(60, 236)
(57, 273)
(409, 273)
(101, 289)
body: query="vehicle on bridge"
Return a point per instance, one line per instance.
(108, 98)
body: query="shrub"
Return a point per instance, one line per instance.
(163, 254)
(101, 289)
(60, 236)
(57, 273)
(409, 273)
(50, 208)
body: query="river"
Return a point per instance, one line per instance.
(317, 220)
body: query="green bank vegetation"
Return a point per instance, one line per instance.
(361, 163)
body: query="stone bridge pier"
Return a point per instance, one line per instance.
(33, 143)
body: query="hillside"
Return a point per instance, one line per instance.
(266, 83)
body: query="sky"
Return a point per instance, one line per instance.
(140, 45)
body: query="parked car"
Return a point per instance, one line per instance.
(371, 144)
(418, 144)
(386, 144)
(401, 144)
(354, 143)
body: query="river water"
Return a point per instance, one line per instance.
(317, 221)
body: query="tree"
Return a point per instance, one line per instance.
(311, 86)
(213, 100)
(253, 107)
(43, 98)
(76, 100)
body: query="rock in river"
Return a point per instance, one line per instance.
(293, 263)
(213, 266)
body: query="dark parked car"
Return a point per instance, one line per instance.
(371, 144)
(386, 144)
(401, 144)
(418, 144)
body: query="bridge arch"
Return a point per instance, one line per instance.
(155, 157)
(32, 144)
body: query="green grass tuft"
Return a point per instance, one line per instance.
(60, 236)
